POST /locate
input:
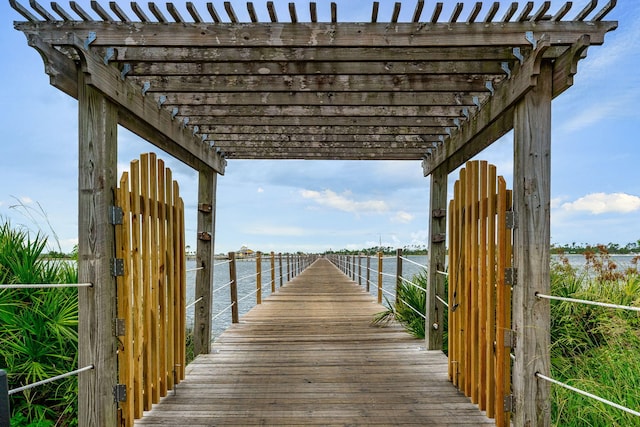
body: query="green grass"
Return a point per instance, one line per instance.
(38, 330)
(595, 349)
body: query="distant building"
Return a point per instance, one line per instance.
(245, 252)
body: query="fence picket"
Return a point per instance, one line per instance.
(152, 292)
(479, 300)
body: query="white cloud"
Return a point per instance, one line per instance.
(402, 217)
(343, 202)
(260, 190)
(599, 203)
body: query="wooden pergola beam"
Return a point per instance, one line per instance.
(319, 34)
(138, 113)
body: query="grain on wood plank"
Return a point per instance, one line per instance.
(309, 356)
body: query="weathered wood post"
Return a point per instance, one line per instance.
(532, 199)
(368, 272)
(398, 272)
(379, 277)
(359, 269)
(280, 264)
(436, 255)
(97, 308)
(273, 272)
(204, 258)
(259, 278)
(5, 411)
(233, 287)
(288, 267)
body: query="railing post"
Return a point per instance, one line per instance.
(436, 259)
(259, 278)
(206, 223)
(532, 200)
(379, 277)
(353, 267)
(280, 263)
(273, 272)
(5, 410)
(368, 272)
(97, 306)
(398, 273)
(233, 287)
(288, 267)
(359, 269)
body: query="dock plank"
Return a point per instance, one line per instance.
(308, 355)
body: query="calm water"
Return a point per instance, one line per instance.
(246, 273)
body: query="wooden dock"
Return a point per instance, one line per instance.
(309, 356)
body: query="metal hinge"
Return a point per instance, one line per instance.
(117, 269)
(510, 338)
(511, 276)
(116, 215)
(509, 403)
(120, 393)
(205, 236)
(438, 237)
(205, 207)
(439, 213)
(120, 328)
(511, 219)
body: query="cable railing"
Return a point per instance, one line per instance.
(575, 389)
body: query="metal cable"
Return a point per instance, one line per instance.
(248, 277)
(444, 273)
(413, 262)
(248, 295)
(587, 394)
(222, 287)
(416, 311)
(442, 301)
(412, 284)
(45, 285)
(599, 304)
(223, 311)
(193, 269)
(222, 263)
(49, 380)
(188, 306)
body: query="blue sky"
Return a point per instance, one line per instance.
(318, 205)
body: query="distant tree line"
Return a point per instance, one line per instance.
(582, 248)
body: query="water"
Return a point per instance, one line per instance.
(246, 274)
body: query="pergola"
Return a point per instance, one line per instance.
(204, 86)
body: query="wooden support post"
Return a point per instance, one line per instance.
(233, 287)
(5, 411)
(368, 273)
(97, 308)
(379, 277)
(259, 278)
(398, 273)
(359, 270)
(280, 264)
(437, 254)
(204, 258)
(532, 198)
(288, 267)
(273, 272)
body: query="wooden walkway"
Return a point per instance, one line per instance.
(309, 356)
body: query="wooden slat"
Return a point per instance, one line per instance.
(115, 7)
(193, 11)
(490, 288)
(482, 285)
(60, 11)
(308, 356)
(102, 13)
(171, 283)
(418, 11)
(138, 289)
(147, 300)
(162, 277)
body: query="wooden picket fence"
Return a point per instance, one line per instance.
(480, 252)
(152, 287)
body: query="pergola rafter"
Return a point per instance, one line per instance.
(210, 70)
(211, 87)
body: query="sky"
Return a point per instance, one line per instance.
(314, 206)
